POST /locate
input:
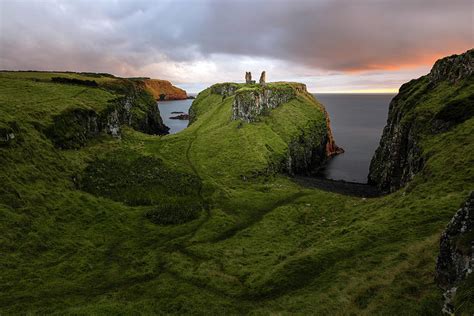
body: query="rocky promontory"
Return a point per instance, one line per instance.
(417, 112)
(134, 106)
(251, 103)
(163, 90)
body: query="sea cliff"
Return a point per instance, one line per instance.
(164, 90)
(307, 148)
(432, 104)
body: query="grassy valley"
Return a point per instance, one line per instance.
(209, 220)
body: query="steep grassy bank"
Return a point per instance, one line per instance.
(80, 235)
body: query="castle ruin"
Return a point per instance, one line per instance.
(248, 78)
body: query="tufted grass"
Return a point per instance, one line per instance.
(258, 243)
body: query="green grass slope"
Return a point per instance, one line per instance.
(89, 231)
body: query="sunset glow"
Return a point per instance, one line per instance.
(196, 43)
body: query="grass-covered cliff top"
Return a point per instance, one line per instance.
(34, 94)
(240, 150)
(96, 231)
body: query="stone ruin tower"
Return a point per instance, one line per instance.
(262, 78)
(248, 78)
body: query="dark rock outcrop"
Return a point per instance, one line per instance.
(183, 116)
(74, 127)
(456, 256)
(307, 153)
(331, 148)
(453, 68)
(225, 89)
(399, 156)
(249, 104)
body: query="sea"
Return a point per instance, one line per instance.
(357, 122)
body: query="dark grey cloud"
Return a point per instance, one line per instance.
(124, 36)
(339, 34)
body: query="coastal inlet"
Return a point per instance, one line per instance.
(357, 123)
(174, 114)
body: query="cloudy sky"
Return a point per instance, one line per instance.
(331, 45)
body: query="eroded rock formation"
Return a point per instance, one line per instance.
(453, 68)
(456, 256)
(331, 148)
(249, 104)
(307, 153)
(74, 127)
(225, 89)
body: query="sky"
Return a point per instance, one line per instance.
(330, 45)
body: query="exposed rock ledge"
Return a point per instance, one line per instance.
(74, 127)
(250, 103)
(164, 90)
(456, 256)
(453, 68)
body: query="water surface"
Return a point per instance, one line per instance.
(357, 122)
(166, 107)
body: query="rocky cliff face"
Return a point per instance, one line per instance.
(164, 90)
(453, 68)
(74, 127)
(249, 104)
(306, 153)
(225, 89)
(331, 147)
(399, 156)
(456, 256)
